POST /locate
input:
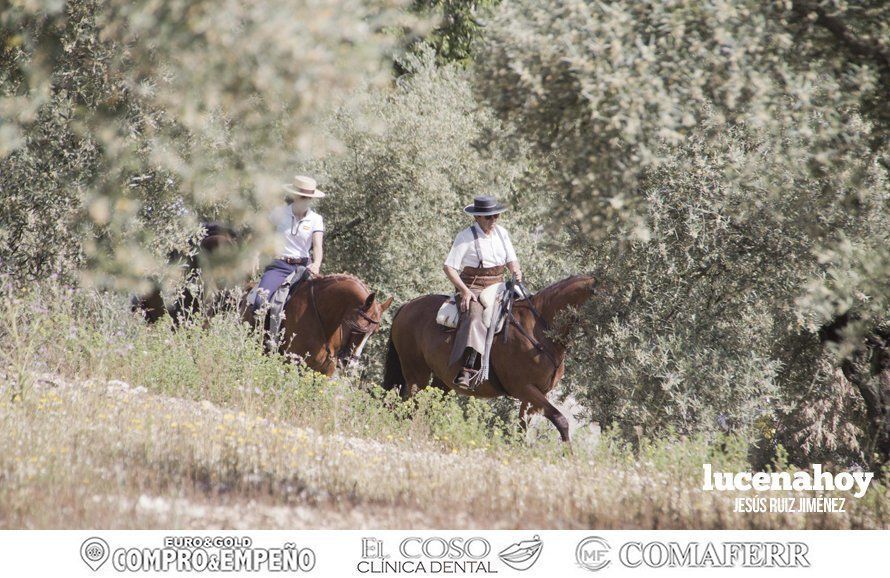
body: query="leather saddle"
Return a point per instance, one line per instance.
(449, 313)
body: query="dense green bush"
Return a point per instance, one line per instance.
(718, 157)
(703, 331)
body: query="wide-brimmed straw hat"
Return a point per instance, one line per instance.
(485, 205)
(305, 187)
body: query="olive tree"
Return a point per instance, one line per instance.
(125, 122)
(409, 161)
(716, 156)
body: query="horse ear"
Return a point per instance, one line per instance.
(386, 305)
(369, 302)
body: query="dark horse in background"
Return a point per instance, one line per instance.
(526, 366)
(328, 319)
(216, 239)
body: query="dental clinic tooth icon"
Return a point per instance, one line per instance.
(94, 552)
(522, 555)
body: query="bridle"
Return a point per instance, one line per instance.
(354, 329)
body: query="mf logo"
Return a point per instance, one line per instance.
(593, 553)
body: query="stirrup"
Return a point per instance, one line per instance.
(471, 377)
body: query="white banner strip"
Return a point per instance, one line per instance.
(441, 552)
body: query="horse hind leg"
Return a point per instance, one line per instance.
(525, 411)
(558, 420)
(416, 378)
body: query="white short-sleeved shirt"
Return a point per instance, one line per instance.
(497, 249)
(295, 235)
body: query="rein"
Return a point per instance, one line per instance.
(535, 343)
(329, 354)
(531, 306)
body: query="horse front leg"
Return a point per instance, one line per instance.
(533, 399)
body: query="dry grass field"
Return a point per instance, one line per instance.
(107, 423)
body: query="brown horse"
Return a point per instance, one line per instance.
(328, 321)
(526, 367)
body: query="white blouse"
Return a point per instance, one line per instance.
(295, 235)
(497, 249)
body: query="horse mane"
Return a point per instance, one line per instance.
(559, 285)
(346, 277)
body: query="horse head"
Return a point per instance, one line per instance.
(357, 327)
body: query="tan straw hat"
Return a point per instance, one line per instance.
(305, 187)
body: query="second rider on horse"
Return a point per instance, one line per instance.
(300, 232)
(477, 259)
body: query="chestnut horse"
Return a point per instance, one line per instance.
(527, 366)
(328, 321)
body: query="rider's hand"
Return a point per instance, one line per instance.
(314, 268)
(466, 297)
(517, 276)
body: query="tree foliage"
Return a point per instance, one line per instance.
(726, 164)
(460, 24)
(126, 122)
(603, 86)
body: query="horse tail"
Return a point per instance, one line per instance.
(392, 367)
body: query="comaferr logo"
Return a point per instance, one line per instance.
(714, 555)
(594, 553)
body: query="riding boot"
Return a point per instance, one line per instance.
(466, 377)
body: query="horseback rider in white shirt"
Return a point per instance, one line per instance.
(478, 257)
(300, 238)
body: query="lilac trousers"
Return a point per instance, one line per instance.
(273, 276)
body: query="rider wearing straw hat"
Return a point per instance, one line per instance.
(477, 259)
(300, 232)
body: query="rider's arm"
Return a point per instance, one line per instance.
(452, 263)
(513, 267)
(454, 277)
(317, 251)
(512, 259)
(465, 294)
